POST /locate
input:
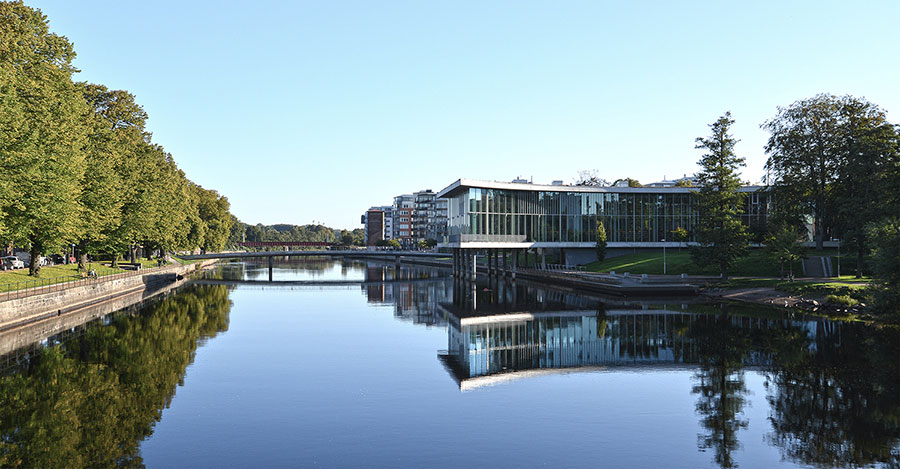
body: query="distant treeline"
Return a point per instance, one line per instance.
(78, 165)
(303, 233)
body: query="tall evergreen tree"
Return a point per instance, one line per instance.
(721, 236)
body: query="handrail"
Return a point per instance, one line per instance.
(41, 286)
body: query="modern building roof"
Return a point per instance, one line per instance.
(463, 184)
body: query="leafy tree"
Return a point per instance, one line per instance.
(784, 244)
(887, 266)
(631, 182)
(868, 154)
(680, 235)
(424, 243)
(213, 212)
(719, 231)
(388, 243)
(41, 132)
(804, 153)
(590, 178)
(684, 183)
(115, 130)
(601, 241)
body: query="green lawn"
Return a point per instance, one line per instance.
(755, 264)
(19, 279)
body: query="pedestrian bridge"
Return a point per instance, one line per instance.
(396, 256)
(320, 253)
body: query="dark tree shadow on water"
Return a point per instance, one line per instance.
(837, 404)
(720, 385)
(89, 402)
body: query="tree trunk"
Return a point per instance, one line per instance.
(132, 253)
(82, 260)
(115, 260)
(782, 270)
(34, 268)
(724, 267)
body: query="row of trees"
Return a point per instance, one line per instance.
(834, 158)
(79, 166)
(286, 232)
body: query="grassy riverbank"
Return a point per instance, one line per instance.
(755, 264)
(19, 279)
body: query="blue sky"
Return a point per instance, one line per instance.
(314, 111)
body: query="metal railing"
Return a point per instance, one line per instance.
(558, 267)
(40, 286)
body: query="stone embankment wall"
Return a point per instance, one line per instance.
(18, 311)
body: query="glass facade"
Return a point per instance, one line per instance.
(478, 214)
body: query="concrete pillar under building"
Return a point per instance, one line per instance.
(515, 263)
(466, 265)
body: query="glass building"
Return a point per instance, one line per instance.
(485, 214)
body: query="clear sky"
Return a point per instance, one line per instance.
(316, 110)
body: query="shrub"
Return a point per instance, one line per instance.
(844, 300)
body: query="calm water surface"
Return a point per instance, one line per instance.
(412, 368)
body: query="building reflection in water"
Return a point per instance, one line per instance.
(414, 291)
(502, 331)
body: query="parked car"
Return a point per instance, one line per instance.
(56, 259)
(12, 262)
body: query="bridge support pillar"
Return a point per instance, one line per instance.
(270, 268)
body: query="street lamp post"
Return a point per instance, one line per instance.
(664, 256)
(839, 258)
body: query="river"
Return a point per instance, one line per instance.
(354, 364)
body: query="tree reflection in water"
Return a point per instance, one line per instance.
(90, 402)
(721, 351)
(838, 403)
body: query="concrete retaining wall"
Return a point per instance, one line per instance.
(23, 310)
(37, 330)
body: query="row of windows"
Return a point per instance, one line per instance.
(575, 203)
(527, 216)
